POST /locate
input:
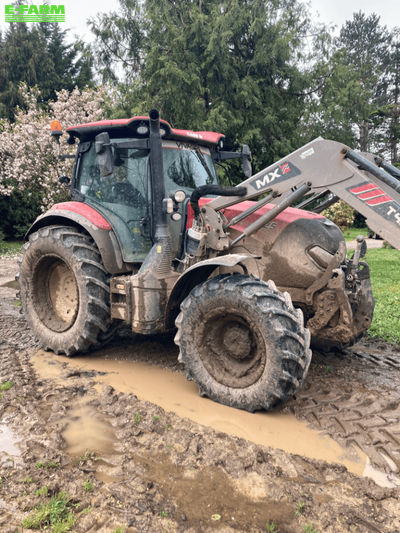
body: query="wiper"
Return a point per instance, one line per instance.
(202, 160)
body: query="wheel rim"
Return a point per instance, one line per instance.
(231, 348)
(56, 294)
(63, 292)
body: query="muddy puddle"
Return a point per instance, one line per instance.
(173, 392)
(9, 451)
(87, 432)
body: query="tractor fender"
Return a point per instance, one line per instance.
(197, 274)
(65, 214)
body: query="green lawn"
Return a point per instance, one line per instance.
(350, 234)
(385, 277)
(10, 247)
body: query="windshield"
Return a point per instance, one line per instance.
(186, 167)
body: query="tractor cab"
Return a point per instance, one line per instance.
(112, 175)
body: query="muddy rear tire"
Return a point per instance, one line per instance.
(64, 290)
(242, 342)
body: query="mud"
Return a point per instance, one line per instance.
(174, 393)
(152, 465)
(9, 452)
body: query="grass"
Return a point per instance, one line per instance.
(300, 506)
(137, 419)
(55, 514)
(88, 485)
(49, 464)
(10, 247)
(385, 278)
(28, 479)
(6, 385)
(43, 491)
(351, 234)
(309, 529)
(271, 527)
(88, 454)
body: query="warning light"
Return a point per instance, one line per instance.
(55, 128)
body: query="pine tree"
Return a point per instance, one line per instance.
(38, 56)
(393, 113)
(366, 45)
(226, 65)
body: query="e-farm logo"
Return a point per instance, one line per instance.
(35, 13)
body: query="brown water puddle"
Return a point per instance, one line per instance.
(86, 430)
(174, 393)
(9, 452)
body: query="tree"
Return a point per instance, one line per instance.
(366, 44)
(351, 103)
(391, 133)
(71, 64)
(226, 65)
(29, 167)
(38, 56)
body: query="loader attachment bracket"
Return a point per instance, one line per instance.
(331, 269)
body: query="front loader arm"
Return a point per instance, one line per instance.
(323, 166)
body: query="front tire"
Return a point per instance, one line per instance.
(64, 290)
(242, 342)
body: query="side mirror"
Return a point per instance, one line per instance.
(104, 154)
(246, 161)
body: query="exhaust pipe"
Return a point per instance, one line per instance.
(157, 175)
(148, 291)
(160, 257)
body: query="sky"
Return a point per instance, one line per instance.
(338, 11)
(330, 11)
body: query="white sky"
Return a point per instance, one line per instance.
(338, 11)
(330, 11)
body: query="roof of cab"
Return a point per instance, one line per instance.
(126, 126)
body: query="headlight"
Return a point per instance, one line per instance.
(179, 197)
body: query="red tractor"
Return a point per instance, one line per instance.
(245, 283)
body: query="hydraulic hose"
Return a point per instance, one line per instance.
(213, 189)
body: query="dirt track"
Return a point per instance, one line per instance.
(151, 470)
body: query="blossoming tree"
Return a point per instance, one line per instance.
(28, 155)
